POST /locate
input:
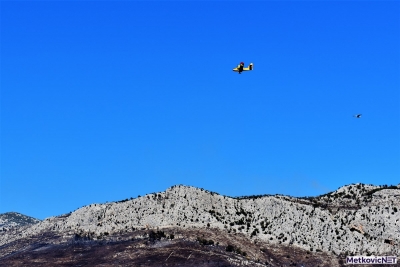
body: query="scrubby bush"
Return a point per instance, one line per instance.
(205, 242)
(230, 248)
(156, 235)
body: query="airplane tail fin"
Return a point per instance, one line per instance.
(251, 66)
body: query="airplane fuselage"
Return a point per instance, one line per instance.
(240, 68)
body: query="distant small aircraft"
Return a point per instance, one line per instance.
(357, 116)
(241, 67)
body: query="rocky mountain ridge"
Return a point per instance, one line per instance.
(353, 220)
(11, 220)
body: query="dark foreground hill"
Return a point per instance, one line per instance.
(155, 248)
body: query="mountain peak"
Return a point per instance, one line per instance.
(15, 219)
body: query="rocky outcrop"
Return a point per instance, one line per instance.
(11, 220)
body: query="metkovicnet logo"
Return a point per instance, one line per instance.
(371, 260)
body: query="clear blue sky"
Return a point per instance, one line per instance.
(102, 101)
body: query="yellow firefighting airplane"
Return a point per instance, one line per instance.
(241, 67)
